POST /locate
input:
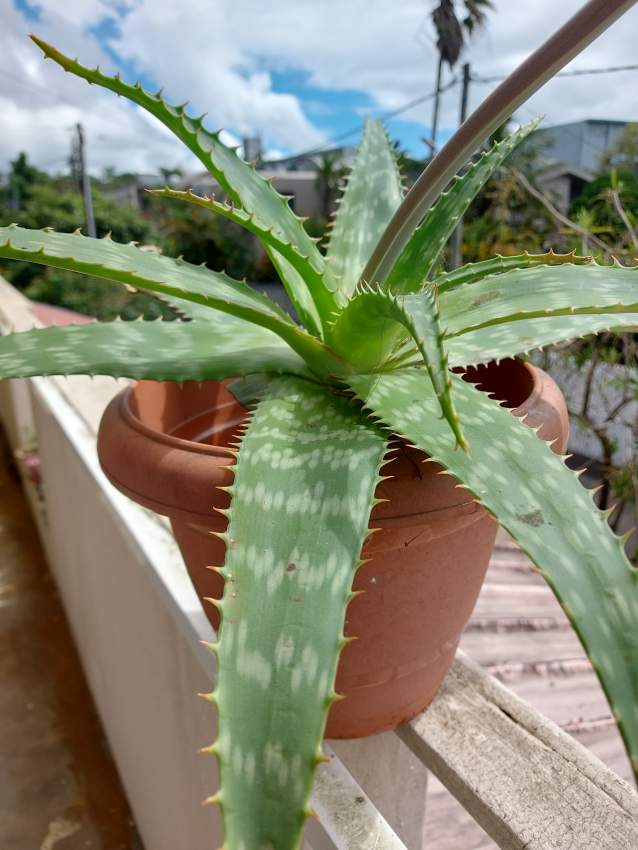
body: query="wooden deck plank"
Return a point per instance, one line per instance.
(519, 633)
(533, 788)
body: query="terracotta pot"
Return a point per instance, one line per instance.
(164, 446)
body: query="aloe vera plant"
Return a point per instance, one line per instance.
(382, 328)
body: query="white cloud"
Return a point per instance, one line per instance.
(221, 54)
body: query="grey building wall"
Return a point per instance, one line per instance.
(579, 144)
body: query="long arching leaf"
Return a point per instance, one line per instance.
(418, 259)
(473, 272)
(495, 342)
(371, 197)
(267, 235)
(154, 272)
(304, 486)
(542, 291)
(240, 180)
(160, 351)
(535, 497)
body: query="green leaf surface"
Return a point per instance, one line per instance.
(304, 486)
(283, 254)
(541, 291)
(473, 272)
(418, 259)
(495, 342)
(541, 503)
(372, 196)
(148, 270)
(374, 322)
(160, 351)
(238, 178)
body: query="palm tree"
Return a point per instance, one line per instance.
(330, 173)
(450, 38)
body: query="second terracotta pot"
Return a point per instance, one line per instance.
(164, 445)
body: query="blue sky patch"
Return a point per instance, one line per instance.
(31, 11)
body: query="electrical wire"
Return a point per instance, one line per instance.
(612, 69)
(384, 116)
(387, 116)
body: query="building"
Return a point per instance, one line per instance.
(570, 156)
(300, 186)
(578, 145)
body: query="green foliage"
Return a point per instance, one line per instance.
(45, 202)
(194, 234)
(418, 259)
(542, 505)
(22, 180)
(309, 459)
(503, 218)
(330, 173)
(369, 328)
(147, 270)
(603, 219)
(358, 223)
(91, 296)
(540, 291)
(158, 350)
(623, 151)
(244, 186)
(268, 236)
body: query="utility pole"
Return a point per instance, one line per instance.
(456, 242)
(435, 111)
(78, 168)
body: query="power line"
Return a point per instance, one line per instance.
(611, 69)
(384, 116)
(33, 87)
(387, 116)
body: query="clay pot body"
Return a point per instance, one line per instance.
(164, 445)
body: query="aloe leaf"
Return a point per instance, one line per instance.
(495, 342)
(129, 265)
(304, 486)
(540, 502)
(372, 196)
(239, 179)
(266, 234)
(372, 323)
(473, 272)
(542, 291)
(160, 351)
(418, 259)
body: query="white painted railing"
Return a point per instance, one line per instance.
(138, 626)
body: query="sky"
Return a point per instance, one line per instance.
(296, 72)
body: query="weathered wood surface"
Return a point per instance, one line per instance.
(346, 816)
(519, 633)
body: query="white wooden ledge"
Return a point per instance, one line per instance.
(528, 783)
(137, 623)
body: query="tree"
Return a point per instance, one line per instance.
(23, 178)
(169, 173)
(201, 237)
(610, 205)
(504, 218)
(329, 176)
(450, 39)
(622, 153)
(47, 202)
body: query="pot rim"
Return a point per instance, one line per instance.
(169, 439)
(222, 451)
